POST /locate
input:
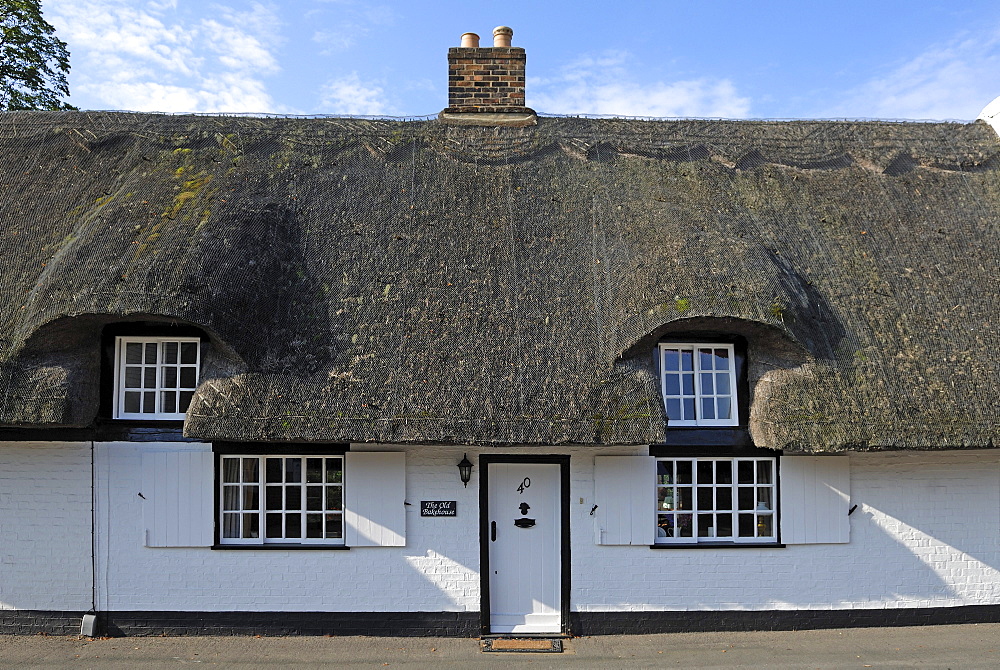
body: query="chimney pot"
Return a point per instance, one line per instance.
(470, 40)
(502, 36)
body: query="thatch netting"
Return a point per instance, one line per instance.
(415, 282)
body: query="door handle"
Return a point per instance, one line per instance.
(493, 530)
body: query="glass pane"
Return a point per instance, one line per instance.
(186, 397)
(133, 353)
(706, 498)
(687, 384)
(707, 383)
(273, 498)
(745, 498)
(722, 359)
(665, 498)
(251, 525)
(672, 385)
(273, 525)
(705, 359)
(665, 525)
(746, 525)
(189, 378)
(230, 525)
(150, 352)
(687, 360)
(249, 497)
(683, 472)
(764, 472)
(189, 352)
(664, 472)
(293, 497)
(724, 472)
(689, 408)
(132, 403)
(334, 470)
(764, 500)
(170, 352)
(744, 470)
(168, 402)
(169, 378)
(708, 408)
(671, 359)
(723, 525)
(230, 470)
(293, 470)
(705, 475)
(133, 378)
(685, 524)
(293, 525)
(314, 498)
(674, 409)
(706, 525)
(314, 525)
(764, 525)
(251, 470)
(722, 383)
(684, 495)
(273, 471)
(149, 378)
(314, 470)
(334, 526)
(725, 408)
(724, 498)
(334, 498)
(149, 402)
(230, 498)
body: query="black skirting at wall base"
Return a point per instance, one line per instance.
(32, 622)
(398, 624)
(640, 623)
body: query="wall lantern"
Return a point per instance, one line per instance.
(465, 470)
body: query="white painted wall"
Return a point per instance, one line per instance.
(926, 533)
(45, 526)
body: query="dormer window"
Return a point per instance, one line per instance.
(699, 384)
(155, 377)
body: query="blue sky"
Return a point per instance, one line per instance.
(714, 58)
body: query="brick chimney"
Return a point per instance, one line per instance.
(486, 80)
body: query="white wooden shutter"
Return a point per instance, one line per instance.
(178, 487)
(374, 495)
(815, 498)
(625, 494)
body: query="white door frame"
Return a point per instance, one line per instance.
(484, 531)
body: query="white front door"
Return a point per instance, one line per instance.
(524, 535)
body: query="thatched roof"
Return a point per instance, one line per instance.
(414, 282)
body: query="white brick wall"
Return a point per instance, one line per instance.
(926, 533)
(45, 526)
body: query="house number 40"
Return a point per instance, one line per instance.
(525, 484)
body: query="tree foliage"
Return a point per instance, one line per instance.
(33, 61)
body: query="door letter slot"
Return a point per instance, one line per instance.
(493, 531)
(524, 523)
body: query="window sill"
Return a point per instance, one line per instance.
(719, 545)
(280, 547)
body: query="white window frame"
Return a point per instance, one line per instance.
(699, 395)
(160, 366)
(672, 511)
(253, 520)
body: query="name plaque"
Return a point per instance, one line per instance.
(438, 508)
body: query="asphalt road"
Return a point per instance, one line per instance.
(956, 647)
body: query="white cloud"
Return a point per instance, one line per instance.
(355, 22)
(602, 85)
(349, 95)
(146, 56)
(954, 80)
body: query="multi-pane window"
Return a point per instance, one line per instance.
(699, 384)
(156, 377)
(715, 500)
(286, 499)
